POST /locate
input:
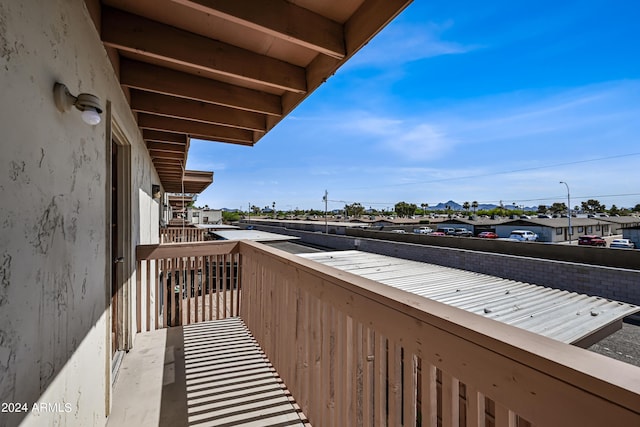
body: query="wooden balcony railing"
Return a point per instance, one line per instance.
(355, 352)
(180, 284)
(182, 235)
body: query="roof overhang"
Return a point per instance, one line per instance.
(226, 70)
(191, 182)
(178, 201)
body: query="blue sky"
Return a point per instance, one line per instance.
(460, 101)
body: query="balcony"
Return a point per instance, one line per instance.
(177, 234)
(348, 351)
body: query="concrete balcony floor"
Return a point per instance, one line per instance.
(206, 374)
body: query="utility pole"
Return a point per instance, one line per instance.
(326, 200)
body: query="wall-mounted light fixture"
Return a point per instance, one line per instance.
(155, 191)
(85, 102)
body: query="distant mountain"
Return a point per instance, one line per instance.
(483, 206)
(443, 206)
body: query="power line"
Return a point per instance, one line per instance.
(499, 173)
(485, 202)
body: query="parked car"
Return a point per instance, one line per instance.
(437, 233)
(523, 235)
(622, 243)
(463, 232)
(398, 231)
(592, 240)
(423, 230)
(488, 235)
(449, 231)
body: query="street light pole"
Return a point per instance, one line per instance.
(568, 208)
(325, 199)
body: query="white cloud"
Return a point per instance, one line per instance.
(404, 43)
(419, 142)
(406, 139)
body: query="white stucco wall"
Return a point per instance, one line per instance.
(54, 305)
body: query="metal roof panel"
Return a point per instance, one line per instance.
(566, 316)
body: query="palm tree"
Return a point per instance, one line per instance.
(424, 207)
(465, 206)
(474, 205)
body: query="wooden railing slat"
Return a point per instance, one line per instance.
(172, 290)
(475, 407)
(393, 378)
(148, 297)
(139, 295)
(429, 392)
(380, 382)
(450, 400)
(164, 267)
(368, 376)
(182, 292)
(409, 389)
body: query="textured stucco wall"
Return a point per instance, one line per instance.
(54, 346)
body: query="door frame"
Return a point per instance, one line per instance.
(124, 338)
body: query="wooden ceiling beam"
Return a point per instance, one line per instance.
(164, 137)
(166, 155)
(149, 121)
(141, 75)
(368, 20)
(145, 37)
(209, 178)
(169, 106)
(218, 139)
(168, 164)
(171, 163)
(171, 148)
(281, 19)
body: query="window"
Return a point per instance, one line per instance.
(605, 228)
(598, 227)
(205, 219)
(580, 229)
(558, 231)
(589, 229)
(196, 214)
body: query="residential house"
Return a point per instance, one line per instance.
(474, 224)
(554, 230)
(205, 216)
(619, 223)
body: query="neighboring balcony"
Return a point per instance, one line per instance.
(349, 351)
(182, 234)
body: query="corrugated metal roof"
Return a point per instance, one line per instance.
(218, 226)
(255, 235)
(565, 316)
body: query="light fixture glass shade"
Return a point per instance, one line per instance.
(91, 116)
(88, 104)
